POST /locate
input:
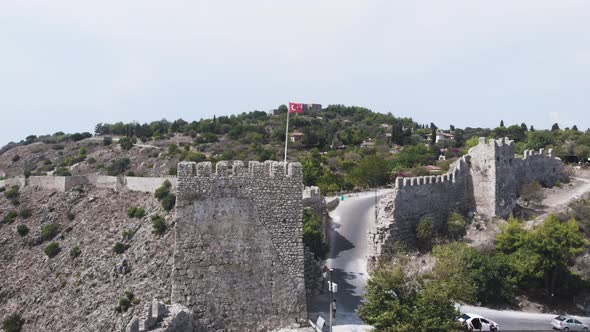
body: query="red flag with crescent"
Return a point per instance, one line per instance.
(295, 108)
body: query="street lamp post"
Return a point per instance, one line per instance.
(331, 291)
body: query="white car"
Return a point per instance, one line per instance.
(564, 323)
(474, 322)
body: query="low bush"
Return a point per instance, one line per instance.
(136, 212)
(15, 158)
(13, 323)
(167, 199)
(158, 224)
(52, 249)
(532, 192)
(62, 171)
(75, 252)
(169, 202)
(49, 231)
(9, 217)
(163, 190)
(11, 193)
(456, 226)
(126, 143)
(71, 216)
(24, 213)
(107, 140)
(126, 302)
(120, 248)
(58, 147)
(118, 166)
(22, 230)
(425, 233)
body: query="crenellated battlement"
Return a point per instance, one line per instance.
(237, 168)
(460, 166)
(540, 153)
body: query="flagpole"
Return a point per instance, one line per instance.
(287, 135)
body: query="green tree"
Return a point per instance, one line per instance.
(582, 152)
(313, 237)
(556, 243)
(371, 171)
(555, 127)
(502, 123)
(456, 225)
(539, 139)
(312, 168)
(13, 323)
(398, 301)
(414, 155)
(543, 253)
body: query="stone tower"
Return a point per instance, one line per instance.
(239, 260)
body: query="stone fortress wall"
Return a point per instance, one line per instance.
(486, 181)
(66, 183)
(239, 253)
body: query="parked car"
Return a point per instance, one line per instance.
(474, 322)
(564, 323)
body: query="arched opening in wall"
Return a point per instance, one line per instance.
(510, 161)
(553, 169)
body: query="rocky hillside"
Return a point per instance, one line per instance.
(56, 287)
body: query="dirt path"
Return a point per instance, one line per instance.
(558, 199)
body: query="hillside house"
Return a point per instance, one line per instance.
(442, 136)
(296, 137)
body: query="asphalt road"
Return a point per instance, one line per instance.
(348, 258)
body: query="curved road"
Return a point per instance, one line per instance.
(348, 257)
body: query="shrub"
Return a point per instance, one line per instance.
(24, 213)
(158, 224)
(91, 160)
(13, 323)
(424, 232)
(52, 249)
(126, 143)
(118, 166)
(169, 202)
(532, 192)
(126, 302)
(120, 248)
(49, 231)
(9, 217)
(71, 216)
(173, 170)
(57, 147)
(456, 226)
(62, 171)
(11, 193)
(22, 230)
(136, 212)
(163, 190)
(107, 140)
(15, 158)
(75, 252)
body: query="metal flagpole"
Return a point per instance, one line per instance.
(287, 133)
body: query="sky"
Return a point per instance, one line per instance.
(66, 65)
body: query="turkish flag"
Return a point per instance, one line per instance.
(295, 108)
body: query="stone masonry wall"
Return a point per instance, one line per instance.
(239, 257)
(433, 197)
(66, 183)
(486, 180)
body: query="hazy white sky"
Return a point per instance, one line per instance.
(67, 65)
